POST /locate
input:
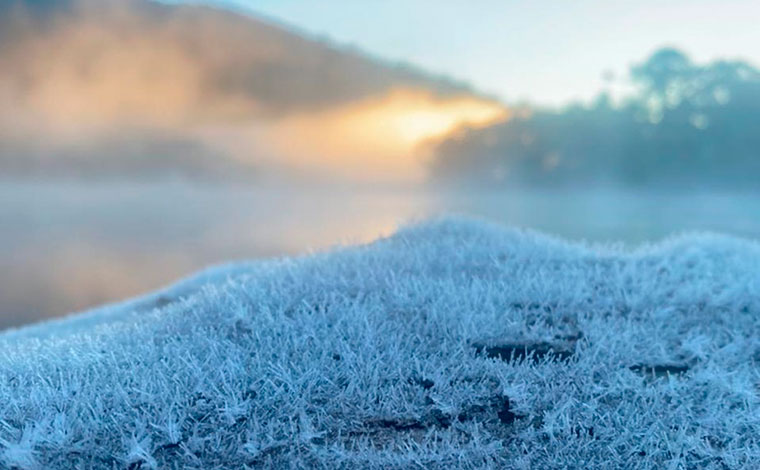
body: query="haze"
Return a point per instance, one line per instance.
(206, 91)
(142, 141)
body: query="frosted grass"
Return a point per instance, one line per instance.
(453, 344)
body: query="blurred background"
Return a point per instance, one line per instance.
(141, 141)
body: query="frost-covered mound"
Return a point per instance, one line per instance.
(449, 345)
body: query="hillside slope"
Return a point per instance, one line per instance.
(201, 56)
(127, 87)
(452, 344)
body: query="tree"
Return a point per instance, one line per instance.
(687, 124)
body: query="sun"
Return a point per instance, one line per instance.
(380, 137)
(406, 118)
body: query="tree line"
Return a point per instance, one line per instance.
(685, 125)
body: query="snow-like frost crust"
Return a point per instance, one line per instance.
(452, 344)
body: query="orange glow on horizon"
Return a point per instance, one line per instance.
(381, 137)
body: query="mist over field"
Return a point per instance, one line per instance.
(137, 87)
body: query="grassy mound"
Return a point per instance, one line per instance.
(452, 344)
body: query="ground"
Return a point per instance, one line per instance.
(453, 344)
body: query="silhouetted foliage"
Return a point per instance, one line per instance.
(687, 124)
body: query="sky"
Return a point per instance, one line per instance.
(549, 52)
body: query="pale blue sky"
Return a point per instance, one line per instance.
(548, 52)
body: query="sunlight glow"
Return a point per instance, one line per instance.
(381, 137)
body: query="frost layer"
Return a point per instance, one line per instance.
(452, 344)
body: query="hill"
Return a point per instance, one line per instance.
(135, 86)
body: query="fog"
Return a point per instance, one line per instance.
(66, 246)
(688, 125)
(243, 94)
(140, 142)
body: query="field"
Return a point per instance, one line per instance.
(453, 344)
